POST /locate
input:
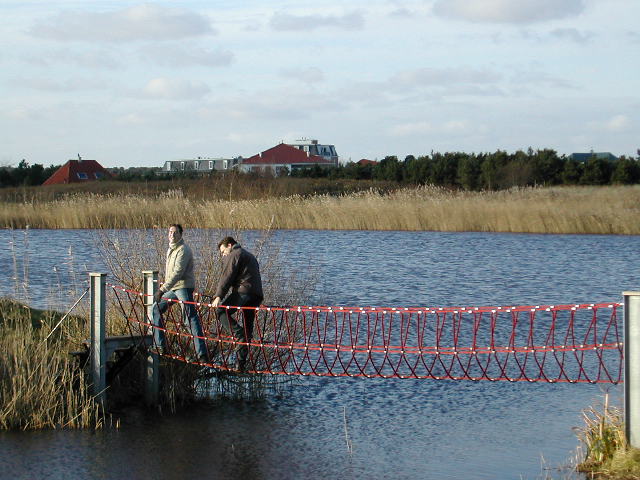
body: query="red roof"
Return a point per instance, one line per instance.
(76, 171)
(284, 154)
(364, 161)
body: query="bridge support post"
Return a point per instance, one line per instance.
(98, 362)
(632, 367)
(152, 370)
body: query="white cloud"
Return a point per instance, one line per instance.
(618, 123)
(507, 11)
(409, 129)
(572, 34)
(131, 119)
(307, 75)
(287, 22)
(60, 85)
(443, 76)
(141, 22)
(450, 127)
(92, 59)
(186, 55)
(169, 89)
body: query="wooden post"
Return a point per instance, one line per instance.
(152, 371)
(98, 351)
(632, 367)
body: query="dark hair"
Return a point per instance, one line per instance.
(178, 227)
(226, 241)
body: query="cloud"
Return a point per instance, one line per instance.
(307, 75)
(58, 85)
(184, 55)
(442, 76)
(94, 59)
(618, 123)
(409, 129)
(141, 22)
(572, 34)
(168, 89)
(288, 22)
(507, 11)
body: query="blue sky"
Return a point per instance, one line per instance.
(136, 84)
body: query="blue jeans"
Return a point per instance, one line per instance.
(189, 319)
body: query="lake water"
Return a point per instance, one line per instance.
(399, 429)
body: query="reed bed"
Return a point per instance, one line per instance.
(606, 452)
(39, 385)
(588, 210)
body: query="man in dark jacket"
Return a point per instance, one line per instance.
(241, 274)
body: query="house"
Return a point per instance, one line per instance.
(78, 171)
(585, 157)
(363, 162)
(312, 147)
(200, 165)
(284, 158)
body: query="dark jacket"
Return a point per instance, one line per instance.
(241, 273)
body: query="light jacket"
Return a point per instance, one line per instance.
(179, 268)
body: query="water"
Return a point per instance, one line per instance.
(398, 428)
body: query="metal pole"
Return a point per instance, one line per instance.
(152, 371)
(632, 367)
(98, 344)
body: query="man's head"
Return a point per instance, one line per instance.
(175, 232)
(225, 245)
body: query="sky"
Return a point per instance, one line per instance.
(136, 84)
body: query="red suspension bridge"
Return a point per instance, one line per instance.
(581, 343)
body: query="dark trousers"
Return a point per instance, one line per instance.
(244, 332)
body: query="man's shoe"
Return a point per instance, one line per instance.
(157, 350)
(240, 366)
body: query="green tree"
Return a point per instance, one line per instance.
(597, 171)
(626, 171)
(469, 172)
(389, 168)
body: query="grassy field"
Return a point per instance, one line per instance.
(586, 210)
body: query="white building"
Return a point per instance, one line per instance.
(312, 147)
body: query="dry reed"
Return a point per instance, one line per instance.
(588, 210)
(607, 454)
(39, 384)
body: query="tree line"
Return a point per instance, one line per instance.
(25, 174)
(469, 171)
(489, 171)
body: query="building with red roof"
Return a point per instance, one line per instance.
(78, 171)
(283, 158)
(365, 161)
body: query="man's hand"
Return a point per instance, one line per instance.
(157, 296)
(216, 302)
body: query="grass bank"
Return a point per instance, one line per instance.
(588, 210)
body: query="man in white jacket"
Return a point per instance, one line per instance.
(179, 284)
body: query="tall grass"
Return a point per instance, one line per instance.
(606, 452)
(39, 384)
(592, 210)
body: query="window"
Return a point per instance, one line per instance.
(181, 165)
(167, 166)
(225, 164)
(82, 176)
(210, 164)
(99, 175)
(197, 165)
